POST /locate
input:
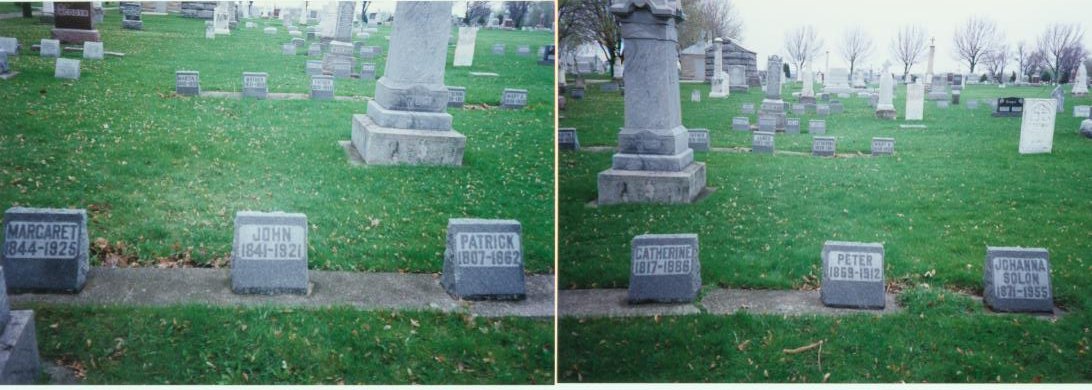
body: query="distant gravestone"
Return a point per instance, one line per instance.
(748, 108)
(762, 142)
(45, 249)
(367, 71)
(9, 45)
(883, 146)
(817, 127)
(547, 53)
(484, 260)
(664, 268)
(92, 50)
(971, 105)
(50, 48)
(943, 105)
(457, 98)
(823, 146)
(1018, 280)
(695, 96)
(698, 139)
(792, 126)
(298, 42)
(255, 85)
(1037, 126)
(608, 87)
(836, 107)
(210, 30)
(269, 254)
(464, 47)
(1009, 107)
(741, 123)
(853, 275)
(1082, 111)
(567, 139)
(322, 87)
(314, 67)
(369, 52)
(766, 123)
(288, 49)
(822, 109)
(523, 50)
(270, 30)
(798, 109)
(498, 49)
(314, 49)
(68, 69)
(514, 98)
(576, 91)
(5, 67)
(1059, 98)
(187, 83)
(130, 15)
(342, 68)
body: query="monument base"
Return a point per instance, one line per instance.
(623, 186)
(132, 25)
(807, 99)
(776, 109)
(737, 88)
(390, 146)
(886, 113)
(19, 361)
(74, 36)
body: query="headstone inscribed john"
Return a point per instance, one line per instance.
(50, 48)
(92, 50)
(73, 23)
(464, 48)
(567, 139)
(130, 15)
(187, 83)
(255, 85)
(1009, 107)
(407, 122)
(853, 275)
(367, 71)
(698, 139)
(883, 146)
(741, 123)
(514, 98)
(269, 253)
(1018, 280)
(664, 268)
(68, 69)
(792, 125)
(1037, 126)
(322, 87)
(484, 259)
(458, 97)
(823, 146)
(762, 142)
(45, 249)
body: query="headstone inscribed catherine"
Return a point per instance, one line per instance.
(762, 142)
(1037, 126)
(255, 85)
(882, 146)
(322, 87)
(664, 268)
(45, 249)
(458, 97)
(68, 69)
(187, 83)
(853, 275)
(514, 98)
(92, 50)
(699, 139)
(269, 253)
(823, 146)
(50, 48)
(484, 260)
(567, 139)
(1018, 280)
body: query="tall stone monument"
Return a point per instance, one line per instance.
(772, 105)
(929, 65)
(407, 122)
(654, 163)
(72, 23)
(1080, 84)
(343, 29)
(915, 101)
(719, 82)
(464, 47)
(885, 107)
(807, 94)
(221, 18)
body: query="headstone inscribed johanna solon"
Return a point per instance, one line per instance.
(853, 275)
(484, 260)
(664, 268)
(1018, 280)
(567, 139)
(699, 139)
(322, 87)
(514, 98)
(1037, 126)
(255, 84)
(92, 50)
(458, 97)
(187, 83)
(67, 68)
(269, 253)
(45, 249)
(762, 142)
(823, 146)
(464, 48)
(883, 146)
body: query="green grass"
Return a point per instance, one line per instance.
(207, 345)
(164, 175)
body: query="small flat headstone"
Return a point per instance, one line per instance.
(498, 49)
(798, 109)
(288, 49)
(1008, 107)
(766, 123)
(748, 108)
(971, 105)
(699, 139)
(299, 42)
(882, 146)
(1018, 280)
(695, 96)
(817, 127)
(822, 109)
(823, 146)
(943, 104)
(369, 52)
(270, 30)
(367, 71)
(514, 98)
(269, 253)
(1082, 111)
(664, 268)
(322, 87)
(187, 83)
(45, 249)
(484, 260)
(741, 123)
(792, 126)
(255, 85)
(67, 68)
(342, 68)
(762, 142)
(50, 48)
(567, 139)
(314, 67)
(457, 98)
(523, 50)
(853, 275)
(296, 34)
(92, 50)
(843, 95)
(314, 49)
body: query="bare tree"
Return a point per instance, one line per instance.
(1035, 63)
(708, 19)
(973, 39)
(1071, 59)
(802, 45)
(1022, 52)
(517, 10)
(995, 60)
(856, 46)
(476, 12)
(1056, 41)
(908, 46)
(589, 21)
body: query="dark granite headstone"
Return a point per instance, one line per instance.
(883, 146)
(822, 109)
(853, 275)
(698, 139)
(762, 142)
(322, 87)
(130, 15)
(741, 123)
(823, 146)
(187, 82)
(664, 268)
(1009, 107)
(367, 71)
(484, 260)
(457, 98)
(255, 84)
(567, 139)
(19, 360)
(1018, 280)
(269, 253)
(514, 98)
(45, 249)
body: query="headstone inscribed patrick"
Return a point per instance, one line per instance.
(823, 146)
(1018, 280)
(484, 260)
(699, 139)
(45, 249)
(1037, 126)
(269, 253)
(762, 142)
(664, 268)
(853, 275)
(255, 85)
(187, 83)
(322, 87)
(882, 146)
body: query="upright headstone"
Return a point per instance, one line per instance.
(567, 139)
(822, 146)
(288, 49)
(915, 102)
(407, 122)
(1037, 126)
(695, 96)
(772, 105)
(737, 78)
(67, 68)
(654, 163)
(807, 93)
(885, 107)
(1009, 107)
(314, 49)
(5, 67)
(1082, 111)
(45, 249)
(222, 18)
(498, 49)
(882, 146)
(664, 268)
(187, 82)
(19, 360)
(464, 48)
(1059, 97)
(269, 253)
(792, 126)
(719, 83)
(73, 23)
(458, 97)
(762, 142)
(50, 48)
(1018, 280)
(255, 85)
(343, 29)
(514, 98)
(314, 67)
(853, 275)
(92, 50)
(837, 81)
(698, 139)
(367, 71)
(748, 108)
(1080, 84)
(322, 87)
(130, 15)
(483, 259)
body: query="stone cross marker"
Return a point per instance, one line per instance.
(664, 268)
(50, 48)
(762, 142)
(255, 85)
(883, 146)
(269, 253)
(1037, 126)
(322, 87)
(853, 275)
(464, 48)
(1018, 280)
(67, 69)
(130, 15)
(92, 50)
(407, 121)
(484, 260)
(699, 139)
(187, 83)
(458, 97)
(45, 249)
(514, 98)
(567, 139)
(823, 146)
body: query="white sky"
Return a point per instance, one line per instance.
(765, 23)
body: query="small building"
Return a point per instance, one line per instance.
(734, 54)
(692, 62)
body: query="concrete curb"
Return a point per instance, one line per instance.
(612, 303)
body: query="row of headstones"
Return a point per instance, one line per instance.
(833, 107)
(523, 50)
(768, 123)
(315, 49)
(665, 268)
(46, 250)
(761, 142)
(65, 68)
(255, 84)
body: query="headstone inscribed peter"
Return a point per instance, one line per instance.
(853, 275)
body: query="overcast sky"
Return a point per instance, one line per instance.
(765, 23)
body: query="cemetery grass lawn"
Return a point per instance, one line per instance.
(211, 345)
(162, 176)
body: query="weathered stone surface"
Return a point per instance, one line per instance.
(269, 253)
(1037, 126)
(698, 139)
(883, 146)
(45, 249)
(458, 97)
(187, 82)
(130, 15)
(255, 85)
(464, 48)
(629, 186)
(314, 67)
(9, 45)
(822, 109)
(567, 139)
(1008, 107)
(817, 127)
(50, 48)
(19, 360)
(322, 87)
(380, 145)
(792, 126)
(823, 146)
(853, 275)
(664, 268)
(288, 49)
(748, 108)
(762, 142)
(67, 68)
(741, 123)
(1082, 111)
(1086, 128)
(514, 98)
(483, 260)
(92, 50)
(1018, 280)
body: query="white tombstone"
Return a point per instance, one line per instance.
(885, 107)
(1037, 126)
(221, 16)
(1080, 85)
(719, 82)
(67, 69)
(915, 101)
(808, 78)
(619, 69)
(464, 48)
(92, 50)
